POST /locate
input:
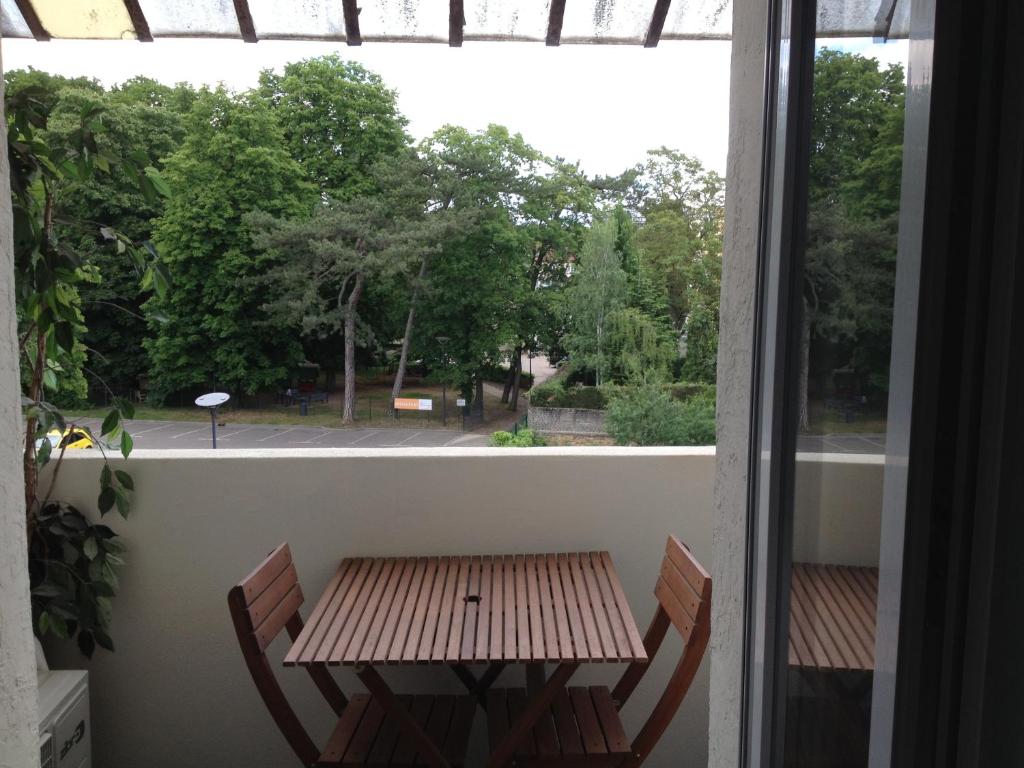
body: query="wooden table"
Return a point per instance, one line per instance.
(832, 617)
(565, 609)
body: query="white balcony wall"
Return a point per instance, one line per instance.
(177, 693)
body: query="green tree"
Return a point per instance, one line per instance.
(329, 261)
(637, 348)
(205, 333)
(478, 277)
(338, 120)
(598, 289)
(855, 165)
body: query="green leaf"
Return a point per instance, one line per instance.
(159, 184)
(124, 478)
(47, 589)
(43, 454)
(105, 476)
(126, 444)
(101, 589)
(44, 623)
(127, 408)
(65, 335)
(90, 548)
(110, 422)
(50, 379)
(103, 640)
(86, 643)
(104, 611)
(106, 500)
(121, 499)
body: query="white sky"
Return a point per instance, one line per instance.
(602, 105)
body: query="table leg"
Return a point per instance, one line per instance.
(379, 689)
(536, 707)
(535, 678)
(478, 687)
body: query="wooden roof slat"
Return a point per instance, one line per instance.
(139, 21)
(657, 23)
(352, 35)
(456, 23)
(32, 20)
(245, 22)
(555, 22)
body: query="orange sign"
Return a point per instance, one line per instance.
(413, 404)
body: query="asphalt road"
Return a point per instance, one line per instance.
(187, 434)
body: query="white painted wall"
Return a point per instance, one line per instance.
(176, 691)
(19, 736)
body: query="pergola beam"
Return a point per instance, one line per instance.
(657, 23)
(352, 35)
(139, 21)
(456, 22)
(245, 23)
(555, 22)
(32, 20)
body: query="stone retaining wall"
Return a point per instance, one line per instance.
(567, 421)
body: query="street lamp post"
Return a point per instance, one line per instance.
(443, 341)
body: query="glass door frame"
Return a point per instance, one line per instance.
(789, 74)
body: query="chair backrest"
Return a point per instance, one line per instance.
(262, 604)
(684, 602)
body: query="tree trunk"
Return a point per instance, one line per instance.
(478, 396)
(349, 410)
(403, 357)
(509, 378)
(805, 353)
(517, 376)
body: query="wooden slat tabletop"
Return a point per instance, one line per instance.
(832, 617)
(471, 609)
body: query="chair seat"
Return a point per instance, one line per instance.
(365, 735)
(582, 727)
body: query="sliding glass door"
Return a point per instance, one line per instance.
(839, 271)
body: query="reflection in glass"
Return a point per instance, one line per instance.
(849, 276)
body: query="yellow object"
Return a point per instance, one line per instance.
(69, 438)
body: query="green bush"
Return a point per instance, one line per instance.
(549, 395)
(648, 415)
(524, 438)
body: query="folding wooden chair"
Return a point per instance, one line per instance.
(583, 727)
(267, 601)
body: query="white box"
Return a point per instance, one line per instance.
(64, 716)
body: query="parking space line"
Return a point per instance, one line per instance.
(371, 433)
(276, 434)
(410, 437)
(190, 432)
(310, 441)
(151, 429)
(232, 434)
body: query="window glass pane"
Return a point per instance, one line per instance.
(400, 18)
(698, 18)
(506, 19)
(853, 203)
(604, 19)
(306, 18)
(205, 17)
